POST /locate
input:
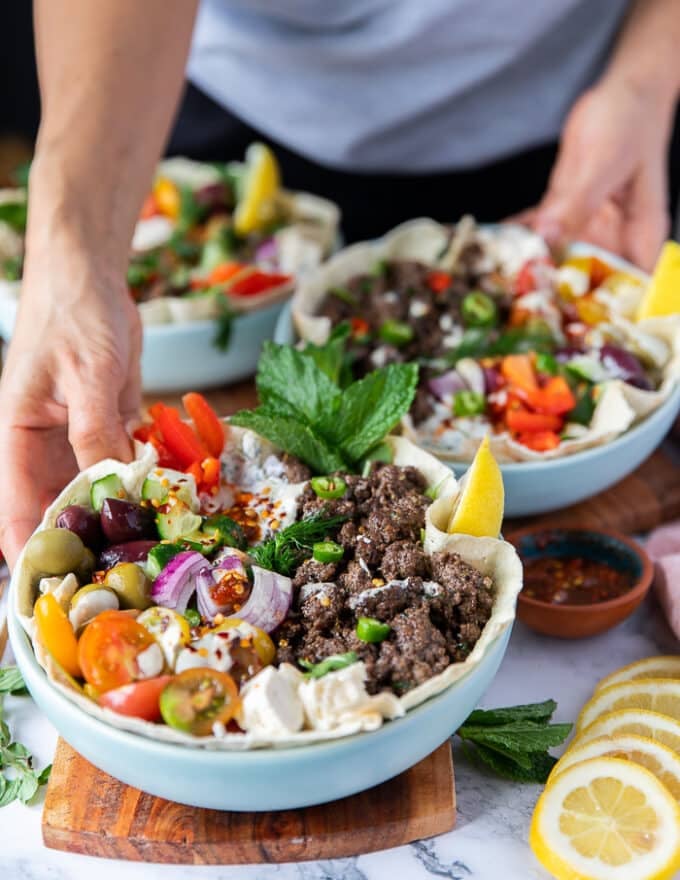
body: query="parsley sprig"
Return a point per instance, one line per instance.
(18, 779)
(287, 549)
(515, 741)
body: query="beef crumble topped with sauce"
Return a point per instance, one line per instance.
(435, 606)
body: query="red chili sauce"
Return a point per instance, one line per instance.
(573, 580)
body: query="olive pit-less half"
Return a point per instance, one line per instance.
(130, 584)
(55, 552)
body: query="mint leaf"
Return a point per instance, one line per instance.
(528, 712)
(291, 383)
(525, 736)
(370, 408)
(12, 682)
(540, 766)
(330, 357)
(293, 437)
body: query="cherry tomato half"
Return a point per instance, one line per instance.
(109, 647)
(56, 633)
(198, 698)
(139, 700)
(261, 641)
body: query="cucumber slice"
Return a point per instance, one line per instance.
(110, 486)
(178, 522)
(160, 555)
(155, 490)
(225, 531)
(201, 542)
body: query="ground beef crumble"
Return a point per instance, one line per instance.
(436, 605)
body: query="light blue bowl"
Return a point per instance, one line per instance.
(533, 487)
(263, 779)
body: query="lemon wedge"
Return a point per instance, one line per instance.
(606, 818)
(655, 694)
(663, 762)
(664, 666)
(663, 294)
(261, 182)
(479, 510)
(641, 722)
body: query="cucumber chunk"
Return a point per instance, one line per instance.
(110, 486)
(160, 555)
(155, 490)
(178, 522)
(226, 531)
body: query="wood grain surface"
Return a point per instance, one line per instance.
(87, 811)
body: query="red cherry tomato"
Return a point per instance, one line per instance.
(196, 699)
(139, 700)
(109, 647)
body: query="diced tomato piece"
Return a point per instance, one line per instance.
(149, 208)
(519, 372)
(257, 282)
(210, 473)
(555, 397)
(179, 439)
(224, 272)
(599, 272)
(522, 421)
(139, 699)
(438, 281)
(359, 327)
(527, 277)
(167, 196)
(539, 441)
(208, 426)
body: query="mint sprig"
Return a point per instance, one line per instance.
(18, 778)
(305, 412)
(515, 741)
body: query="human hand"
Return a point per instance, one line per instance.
(609, 185)
(69, 385)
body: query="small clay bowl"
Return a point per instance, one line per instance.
(579, 621)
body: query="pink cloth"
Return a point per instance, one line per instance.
(663, 547)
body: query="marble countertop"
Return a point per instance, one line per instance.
(490, 840)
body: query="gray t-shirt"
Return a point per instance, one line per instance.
(403, 85)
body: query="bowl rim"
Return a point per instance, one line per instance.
(177, 328)
(638, 590)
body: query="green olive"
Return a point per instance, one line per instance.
(80, 594)
(86, 567)
(55, 551)
(130, 584)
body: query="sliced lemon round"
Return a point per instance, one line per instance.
(606, 818)
(261, 182)
(641, 722)
(656, 694)
(662, 297)
(663, 762)
(479, 509)
(665, 666)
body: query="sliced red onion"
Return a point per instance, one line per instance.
(446, 384)
(270, 600)
(622, 364)
(208, 578)
(493, 380)
(176, 583)
(266, 251)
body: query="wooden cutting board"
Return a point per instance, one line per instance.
(86, 811)
(647, 498)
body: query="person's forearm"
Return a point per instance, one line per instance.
(646, 55)
(111, 72)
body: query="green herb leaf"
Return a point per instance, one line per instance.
(292, 436)
(330, 357)
(329, 664)
(371, 407)
(525, 736)
(224, 323)
(287, 549)
(528, 712)
(12, 682)
(14, 214)
(537, 772)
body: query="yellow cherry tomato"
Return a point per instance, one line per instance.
(56, 633)
(590, 311)
(264, 646)
(167, 197)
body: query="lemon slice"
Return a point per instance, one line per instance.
(651, 667)
(261, 182)
(662, 297)
(606, 819)
(663, 762)
(479, 510)
(641, 722)
(656, 694)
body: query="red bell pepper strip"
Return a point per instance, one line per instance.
(224, 272)
(519, 373)
(149, 208)
(148, 433)
(522, 421)
(540, 441)
(438, 282)
(554, 397)
(257, 282)
(208, 426)
(178, 438)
